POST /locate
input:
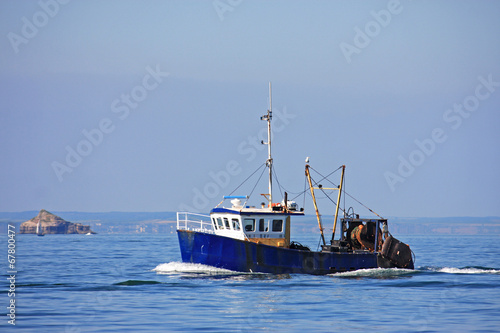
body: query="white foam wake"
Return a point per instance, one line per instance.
(467, 270)
(175, 267)
(375, 272)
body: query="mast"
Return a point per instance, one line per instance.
(338, 202)
(269, 161)
(315, 205)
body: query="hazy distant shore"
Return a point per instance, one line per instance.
(165, 222)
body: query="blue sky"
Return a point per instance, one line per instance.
(161, 100)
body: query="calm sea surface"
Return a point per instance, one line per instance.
(136, 283)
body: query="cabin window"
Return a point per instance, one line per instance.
(236, 224)
(219, 223)
(263, 225)
(214, 223)
(249, 224)
(226, 223)
(277, 225)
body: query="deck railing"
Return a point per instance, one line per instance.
(194, 222)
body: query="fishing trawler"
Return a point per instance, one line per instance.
(257, 239)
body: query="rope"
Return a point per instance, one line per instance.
(260, 166)
(326, 177)
(305, 189)
(280, 187)
(344, 191)
(275, 175)
(319, 242)
(257, 182)
(327, 194)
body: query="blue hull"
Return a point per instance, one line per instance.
(245, 256)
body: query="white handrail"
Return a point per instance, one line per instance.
(194, 221)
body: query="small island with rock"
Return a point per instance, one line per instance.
(47, 223)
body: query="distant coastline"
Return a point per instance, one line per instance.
(45, 223)
(165, 222)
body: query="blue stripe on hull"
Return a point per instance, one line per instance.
(244, 256)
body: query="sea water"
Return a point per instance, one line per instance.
(137, 283)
